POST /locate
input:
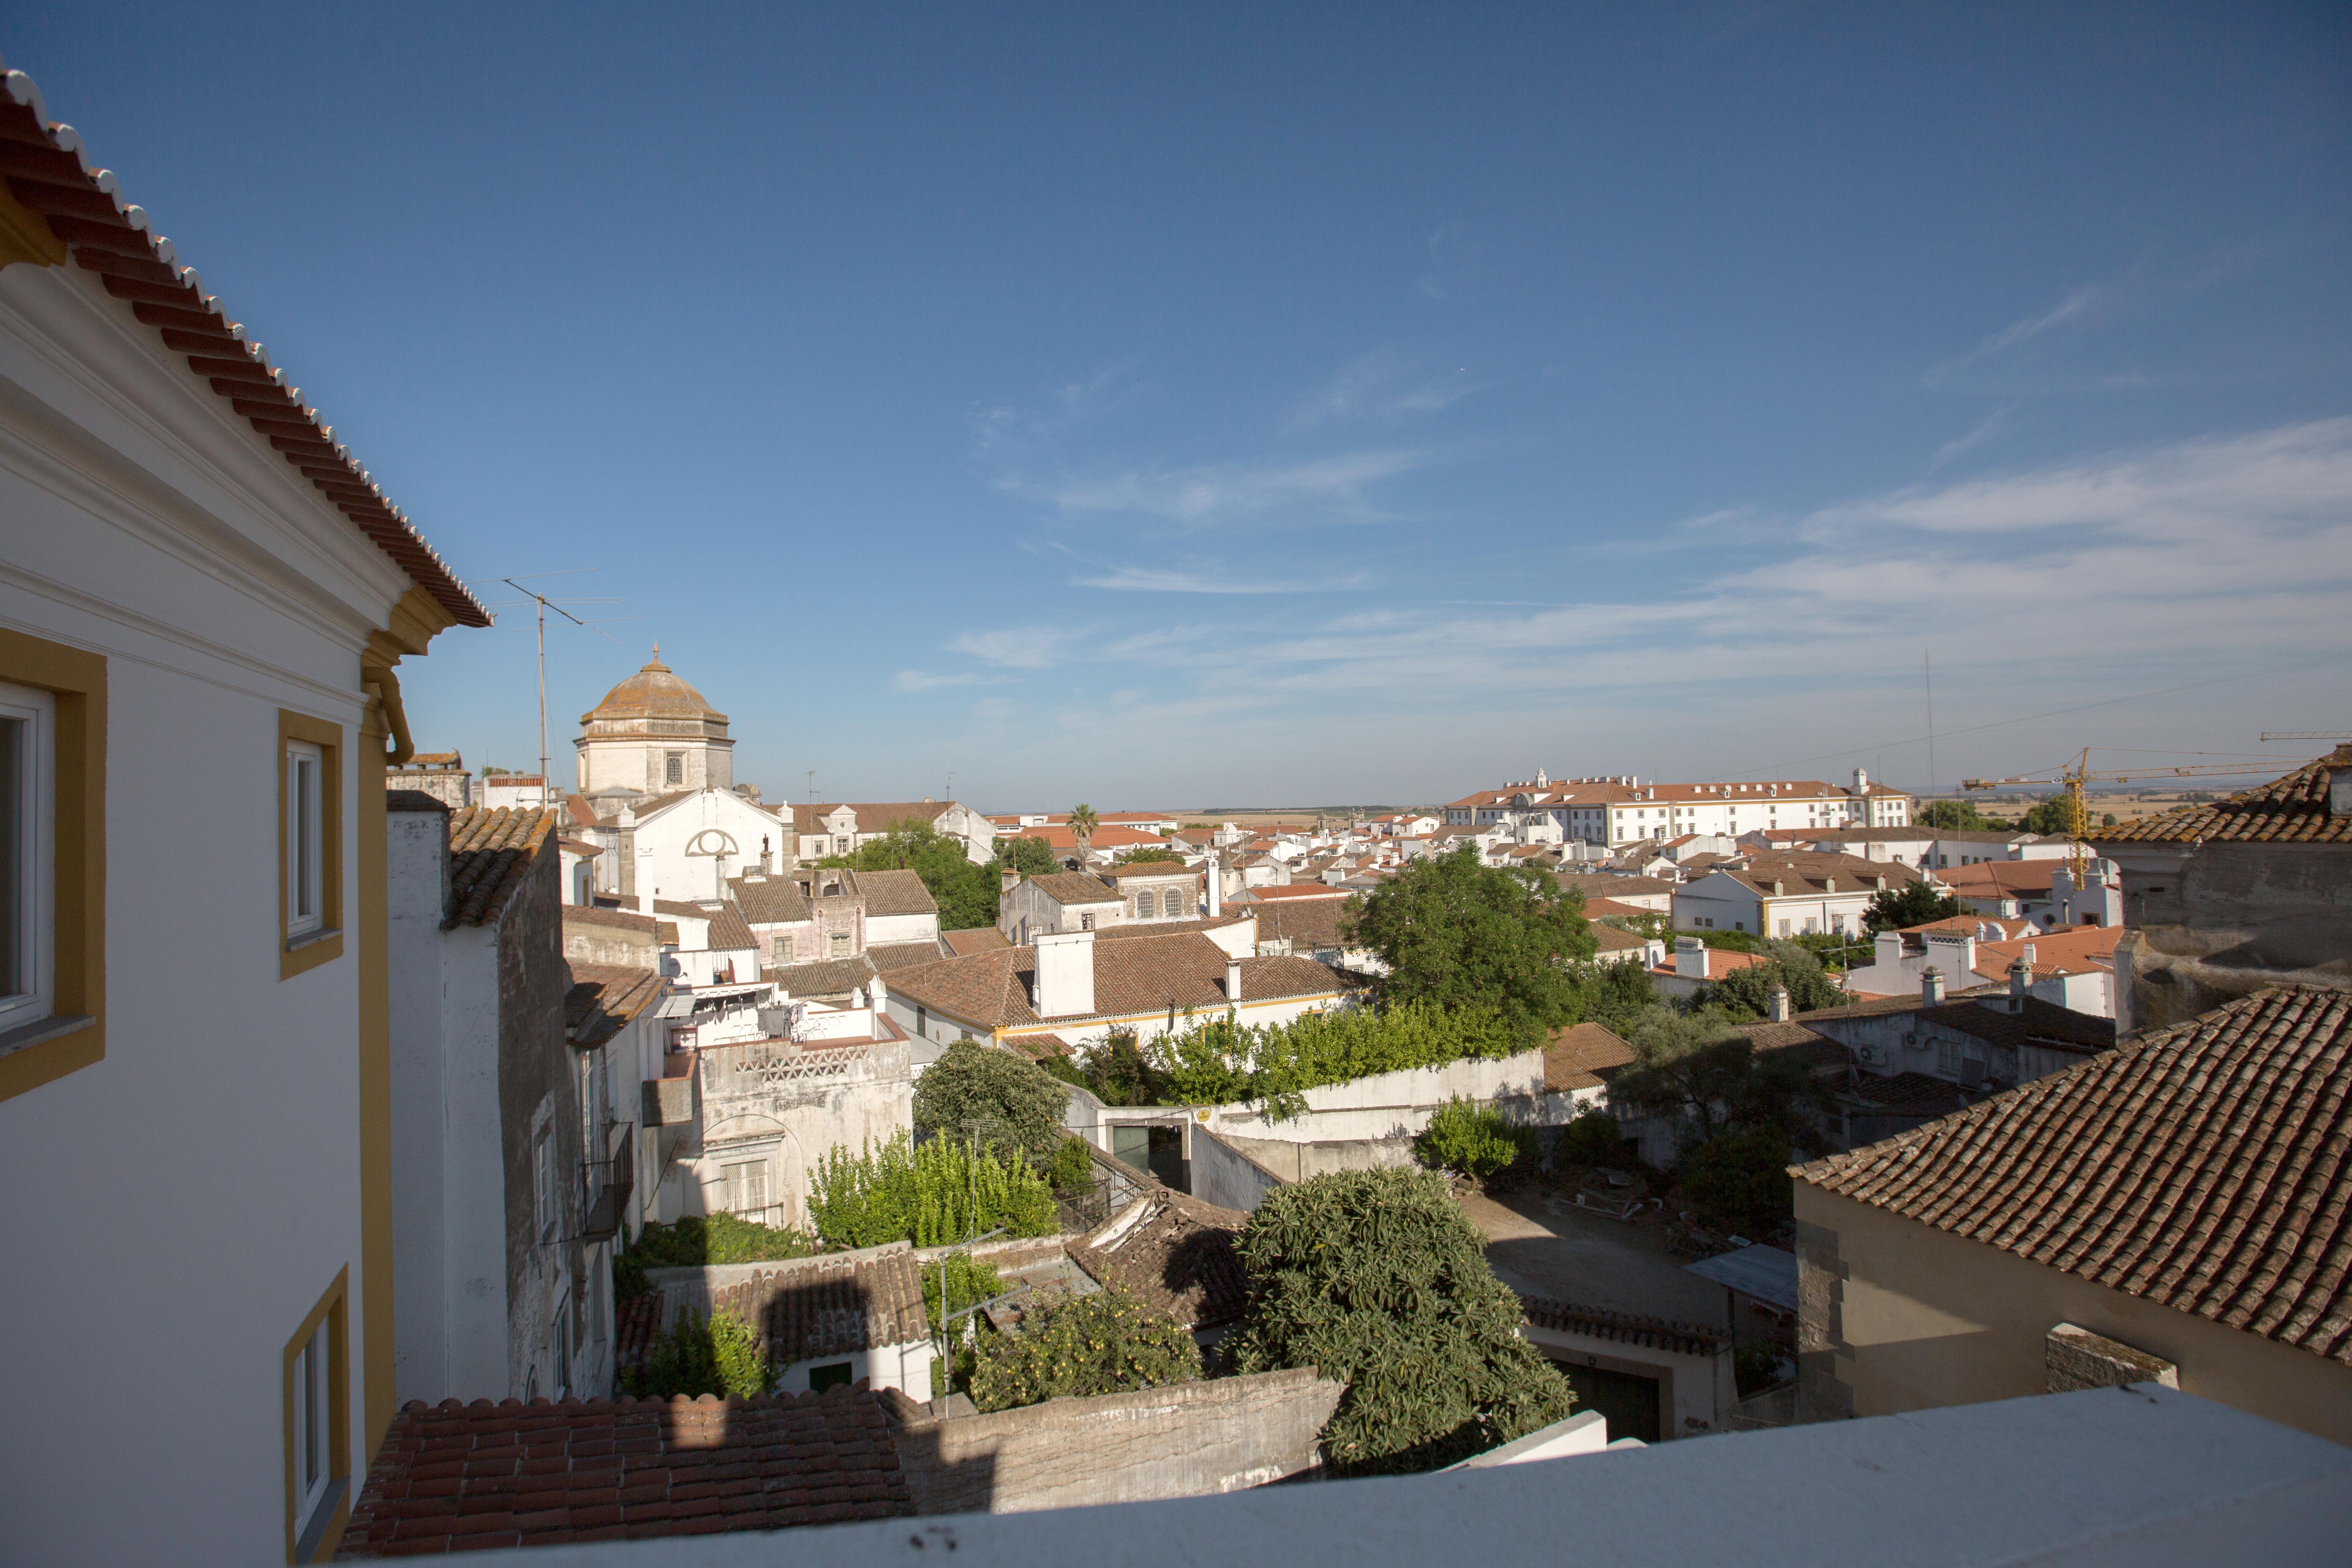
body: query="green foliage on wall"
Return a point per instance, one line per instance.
(1594, 1138)
(1073, 1165)
(932, 1195)
(1217, 1061)
(1697, 1070)
(697, 1239)
(1471, 1140)
(1789, 966)
(965, 893)
(1105, 1343)
(696, 1355)
(1019, 1106)
(1376, 1278)
(1024, 856)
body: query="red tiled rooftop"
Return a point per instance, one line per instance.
(459, 1476)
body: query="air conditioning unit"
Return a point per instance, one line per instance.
(1871, 1054)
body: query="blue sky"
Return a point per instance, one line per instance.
(1211, 404)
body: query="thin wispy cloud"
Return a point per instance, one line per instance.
(1379, 387)
(1455, 254)
(1333, 488)
(1017, 647)
(1976, 437)
(927, 680)
(2134, 557)
(1175, 580)
(2080, 306)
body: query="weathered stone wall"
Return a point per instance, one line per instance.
(2220, 920)
(1193, 1439)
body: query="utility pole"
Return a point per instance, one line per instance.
(1928, 663)
(542, 605)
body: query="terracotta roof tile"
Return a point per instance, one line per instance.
(728, 930)
(1177, 1258)
(2205, 1167)
(511, 1474)
(1138, 974)
(490, 854)
(895, 893)
(1626, 1328)
(978, 939)
(769, 901)
(1074, 888)
(889, 957)
(596, 915)
(603, 996)
(2292, 810)
(1579, 1053)
(827, 977)
(831, 1305)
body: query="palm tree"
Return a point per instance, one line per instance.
(1083, 822)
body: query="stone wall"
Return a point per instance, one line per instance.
(2214, 922)
(1192, 1439)
(1225, 1175)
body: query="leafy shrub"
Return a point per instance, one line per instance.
(1105, 1343)
(1472, 1141)
(969, 1284)
(1073, 1165)
(1376, 1278)
(1594, 1138)
(1019, 1106)
(1739, 1181)
(939, 1192)
(697, 1239)
(696, 1355)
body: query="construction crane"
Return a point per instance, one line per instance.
(2307, 735)
(2079, 773)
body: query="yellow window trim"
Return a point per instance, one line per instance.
(308, 952)
(77, 678)
(334, 1309)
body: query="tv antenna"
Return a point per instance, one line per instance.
(543, 603)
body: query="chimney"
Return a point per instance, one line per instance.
(880, 994)
(1233, 980)
(1010, 880)
(1216, 887)
(2339, 782)
(1779, 890)
(645, 902)
(1777, 1006)
(2020, 984)
(1931, 987)
(1065, 973)
(1690, 957)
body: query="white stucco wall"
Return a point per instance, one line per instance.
(200, 1186)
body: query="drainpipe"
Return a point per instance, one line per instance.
(387, 693)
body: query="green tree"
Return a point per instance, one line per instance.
(1473, 1140)
(1739, 1180)
(933, 1195)
(1149, 854)
(2049, 816)
(1019, 1106)
(1698, 1070)
(1616, 994)
(1899, 908)
(1790, 966)
(965, 893)
(1024, 856)
(1953, 816)
(1103, 1342)
(720, 1355)
(1455, 933)
(1376, 1278)
(1083, 822)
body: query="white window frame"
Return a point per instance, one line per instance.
(306, 839)
(33, 846)
(542, 1183)
(314, 1446)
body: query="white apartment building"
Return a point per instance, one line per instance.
(204, 600)
(1616, 809)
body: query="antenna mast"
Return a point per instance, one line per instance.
(1928, 664)
(543, 605)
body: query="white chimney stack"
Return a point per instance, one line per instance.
(1778, 1004)
(1233, 980)
(1931, 987)
(1216, 888)
(1065, 973)
(1690, 957)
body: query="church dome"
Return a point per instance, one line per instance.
(653, 694)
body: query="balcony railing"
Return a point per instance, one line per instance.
(609, 1182)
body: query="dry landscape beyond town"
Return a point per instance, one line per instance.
(659, 1010)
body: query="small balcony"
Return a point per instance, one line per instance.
(609, 1182)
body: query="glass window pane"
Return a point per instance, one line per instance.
(15, 918)
(306, 832)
